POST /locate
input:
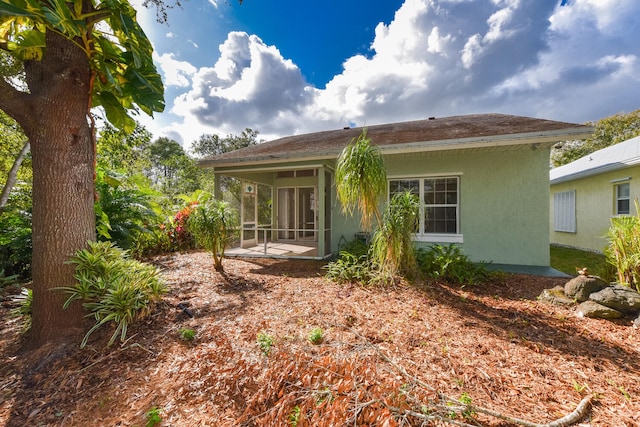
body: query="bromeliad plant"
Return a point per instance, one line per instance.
(113, 287)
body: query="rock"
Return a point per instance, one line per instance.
(555, 296)
(618, 297)
(636, 323)
(580, 287)
(598, 311)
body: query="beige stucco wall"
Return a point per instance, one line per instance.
(595, 206)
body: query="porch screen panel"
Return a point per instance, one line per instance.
(327, 212)
(286, 213)
(249, 216)
(564, 211)
(306, 213)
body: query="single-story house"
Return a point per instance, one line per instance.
(482, 180)
(588, 192)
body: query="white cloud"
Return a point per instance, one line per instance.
(575, 62)
(250, 85)
(175, 73)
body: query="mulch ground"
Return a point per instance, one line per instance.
(388, 356)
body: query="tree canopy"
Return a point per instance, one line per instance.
(123, 74)
(212, 145)
(608, 131)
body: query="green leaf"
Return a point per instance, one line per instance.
(127, 78)
(29, 45)
(16, 8)
(146, 90)
(116, 113)
(60, 17)
(108, 50)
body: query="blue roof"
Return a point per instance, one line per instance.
(615, 157)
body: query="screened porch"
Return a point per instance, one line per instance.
(285, 214)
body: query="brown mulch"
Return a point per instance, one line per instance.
(389, 356)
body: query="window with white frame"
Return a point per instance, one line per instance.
(564, 211)
(439, 205)
(622, 198)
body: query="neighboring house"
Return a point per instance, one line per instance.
(482, 181)
(588, 192)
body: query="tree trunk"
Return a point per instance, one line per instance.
(63, 168)
(13, 175)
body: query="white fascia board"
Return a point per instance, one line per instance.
(546, 139)
(610, 167)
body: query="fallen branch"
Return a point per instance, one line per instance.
(579, 413)
(576, 415)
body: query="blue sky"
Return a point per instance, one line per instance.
(285, 67)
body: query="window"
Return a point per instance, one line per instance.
(439, 205)
(298, 173)
(622, 199)
(564, 211)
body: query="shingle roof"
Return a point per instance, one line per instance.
(430, 134)
(615, 157)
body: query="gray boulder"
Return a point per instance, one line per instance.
(618, 297)
(555, 296)
(598, 311)
(580, 287)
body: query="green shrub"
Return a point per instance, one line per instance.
(155, 241)
(448, 263)
(624, 249)
(349, 267)
(357, 246)
(213, 224)
(113, 287)
(392, 247)
(15, 234)
(124, 209)
(7, 280)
